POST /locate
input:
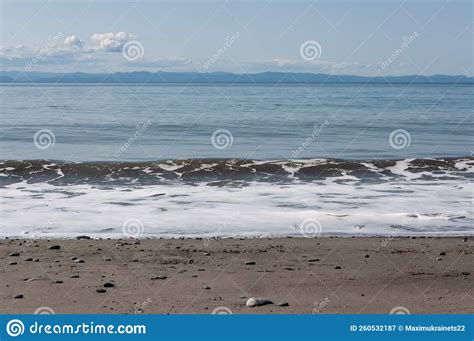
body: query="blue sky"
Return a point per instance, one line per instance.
(349, 37)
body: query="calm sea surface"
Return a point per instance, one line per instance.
(92, 122)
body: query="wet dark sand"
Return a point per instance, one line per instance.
(321, 276)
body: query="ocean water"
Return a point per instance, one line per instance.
(173, 160)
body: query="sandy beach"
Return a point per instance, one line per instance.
(198, 276)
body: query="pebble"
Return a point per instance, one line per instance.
(439, 258)
(257, 302)
(12, 263)
(28, 259)
(367, 256)
(250, 263)
(283, 304)
(54, 247)
(79, 261)
(83, 237)
(19, 296)
(442, 253)
(109, 285)
(14, 254)
(337, 267)
(158, 277)
(465, 273)
(101, 291)
(313, 260)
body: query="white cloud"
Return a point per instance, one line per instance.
(74, 42)
(111, 42)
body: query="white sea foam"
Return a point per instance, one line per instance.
(349, 207)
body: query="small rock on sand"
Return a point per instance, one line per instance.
(158, 277)
(54, 247)
(257, 302)
(14, 254)
(19, 296)
(83, 237)
(250, 263)
(109, 285)
(101, 291)
(283, 304)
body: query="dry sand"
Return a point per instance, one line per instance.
(319, 276)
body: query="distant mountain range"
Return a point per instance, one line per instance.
(220, 77)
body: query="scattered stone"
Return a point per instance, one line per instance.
(101, 291)
(36, 260)
(442, 253)
(283, 304)
(79, 261)
(207, 287)
(74, 276)
(28, 259)
(367, 256)
(313, 260)
(257, 302)
(337, 267)
(439, 258)
(19, 296)
(54, 247)
(59, 282)
(109, 285)
(158, 277)
(83, 237)
(12, 263)
(207, 254)
(250, 263)
(73, 258)
(14, 254)
(465, 273)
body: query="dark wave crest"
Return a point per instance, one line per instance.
(216, 171)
